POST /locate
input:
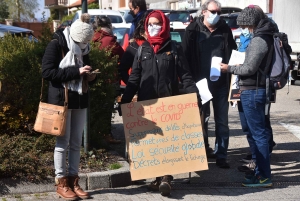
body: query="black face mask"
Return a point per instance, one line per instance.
(132, 13)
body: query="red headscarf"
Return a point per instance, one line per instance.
(163, 35)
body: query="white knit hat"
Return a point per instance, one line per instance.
(81, 31)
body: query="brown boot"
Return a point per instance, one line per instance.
(111, 140)
(74, 185)
(165, 186)
(63, 190)
(154, 185)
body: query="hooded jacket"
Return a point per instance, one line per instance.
(109, 42)
(256, 57)
(200, 45)
(156, 75)
(127, 59)
(56, 76)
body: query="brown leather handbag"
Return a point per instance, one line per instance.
(51, 119)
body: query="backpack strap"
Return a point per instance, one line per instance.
(174, 51)
(266, 73)
(139, 51)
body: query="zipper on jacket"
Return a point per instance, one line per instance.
(157, 83)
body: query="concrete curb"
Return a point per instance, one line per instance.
(88, 181)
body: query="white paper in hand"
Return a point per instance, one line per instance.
(204, 91)
(236, 58)
(215, 69)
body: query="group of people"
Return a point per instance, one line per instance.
(155, 74)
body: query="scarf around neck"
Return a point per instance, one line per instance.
(74, 59)
(158, 41)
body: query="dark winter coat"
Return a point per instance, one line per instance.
(200, 45)
(256, 57)
(156, 75)
(127, 61)
(56, 76)
(108, 42)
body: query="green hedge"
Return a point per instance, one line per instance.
(23, 152)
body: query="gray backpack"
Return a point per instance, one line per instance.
(278, 64)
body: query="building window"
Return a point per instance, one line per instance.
(122, 3)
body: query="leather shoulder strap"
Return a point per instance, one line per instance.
(66, 85)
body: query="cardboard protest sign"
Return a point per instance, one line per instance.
(164, 136)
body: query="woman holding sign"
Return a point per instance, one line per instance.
(155, 73)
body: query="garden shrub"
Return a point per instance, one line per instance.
(102, 94)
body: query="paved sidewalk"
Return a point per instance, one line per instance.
(140, 193)
(215, 183)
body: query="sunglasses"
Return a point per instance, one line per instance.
(215, 11)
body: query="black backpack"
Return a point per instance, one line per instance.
(278, 64)
(281, 61)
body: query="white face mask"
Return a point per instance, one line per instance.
(213, 18)
(154, 29)
(82, 45)
(246, 32)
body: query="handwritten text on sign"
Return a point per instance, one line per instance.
(164, 136)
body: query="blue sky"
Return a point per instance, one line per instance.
(41, 8)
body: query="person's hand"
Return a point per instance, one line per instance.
(223, 67)
(85, 69)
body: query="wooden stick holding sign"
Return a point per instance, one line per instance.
(164, 136)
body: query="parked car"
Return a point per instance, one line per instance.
(125, 13)
(122, 34)
(115, 16)
(17, 31)
(180, 19)
(230, 10)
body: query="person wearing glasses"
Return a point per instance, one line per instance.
(156, 75)
(206, 37)
(137, 9)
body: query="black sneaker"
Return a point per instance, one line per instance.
(222, 163)
(247, 167)
(247, 159)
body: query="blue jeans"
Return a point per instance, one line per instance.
(220, 106)
(253, 104)
(245, 129)
(70, 142)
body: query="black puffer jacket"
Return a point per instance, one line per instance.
(56, 76)
(127, 61)
(156, 76)
(200, 45)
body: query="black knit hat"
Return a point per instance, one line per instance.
(102, 21)
(248, 16)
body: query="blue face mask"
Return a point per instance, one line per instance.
(213, 18)
(246, 32)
